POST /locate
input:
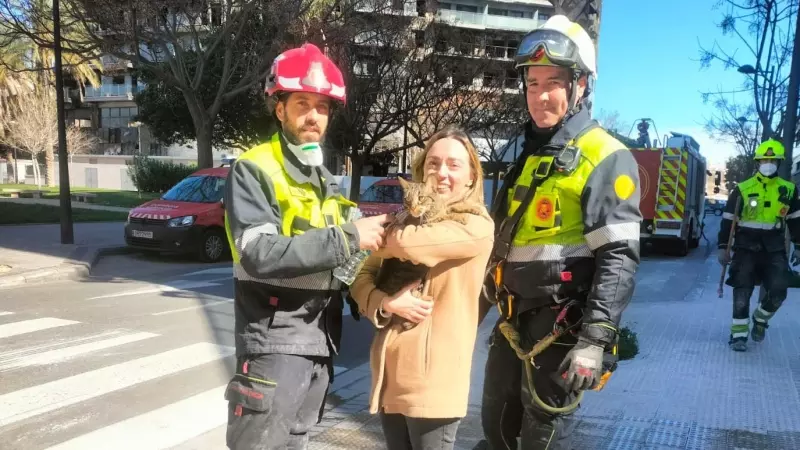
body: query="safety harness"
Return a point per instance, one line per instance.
(564, 161)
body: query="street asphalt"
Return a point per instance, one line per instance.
(144, 332)
(137, 357)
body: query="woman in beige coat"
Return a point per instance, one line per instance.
(420, 377)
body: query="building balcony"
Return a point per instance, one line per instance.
(392, 7)
(483, 21)
(112, 63)
(111, 92)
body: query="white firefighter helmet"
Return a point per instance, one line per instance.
(559, 42)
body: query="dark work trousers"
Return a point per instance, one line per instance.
(274, 399)
(750, 268)
(508, 405)
(411, 433)
(501, 406)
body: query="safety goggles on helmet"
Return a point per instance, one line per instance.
(547, 48)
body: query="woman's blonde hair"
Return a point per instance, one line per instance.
(475, 193)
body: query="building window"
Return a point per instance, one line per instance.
(118, 80)
(498, 12)
(419, 38)
(117, 117)
(444, 5)
(216, 15)
(467, 8)
(489, 79)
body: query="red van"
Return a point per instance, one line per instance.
(189, 218)
(382, 197)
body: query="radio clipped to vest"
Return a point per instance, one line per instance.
(561, 159)
(566, 161)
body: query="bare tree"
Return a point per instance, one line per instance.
(34, 128)
(406, 77)
(764, 29)
(611, 121)
(500, 134)
(163, 36)
(79, 142)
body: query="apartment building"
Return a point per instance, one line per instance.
(463, 35)
(108, 111)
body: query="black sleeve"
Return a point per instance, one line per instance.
(254, 219)
(612, 221)
(793, 217)
(734, 198)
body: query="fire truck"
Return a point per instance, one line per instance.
(672, 178)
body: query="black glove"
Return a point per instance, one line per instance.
(583, 366)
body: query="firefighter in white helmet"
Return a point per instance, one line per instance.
(566, 249)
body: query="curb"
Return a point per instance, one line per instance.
(75, 267)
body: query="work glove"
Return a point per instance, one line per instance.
(583, 366)
(795, 257)
(723, 256)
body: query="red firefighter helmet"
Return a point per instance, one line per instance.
(305, 69)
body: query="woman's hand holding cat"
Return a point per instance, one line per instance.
(370, 231)
(407, 306)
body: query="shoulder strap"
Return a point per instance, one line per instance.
(509, 226)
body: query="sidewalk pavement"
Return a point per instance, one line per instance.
(34, 253)
(55, 202)
(684, 390)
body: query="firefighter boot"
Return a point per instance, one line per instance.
(760, 324)
(740, 326)
(738, 344)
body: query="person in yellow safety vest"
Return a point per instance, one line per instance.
(567, 247)
(766, 205)
(287, 227)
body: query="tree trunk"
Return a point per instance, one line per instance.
(49, 166)
(356, 164)
(205, 155)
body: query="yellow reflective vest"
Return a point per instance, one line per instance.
(765, 202)
(552, 225)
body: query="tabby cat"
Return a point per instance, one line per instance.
(422, 205)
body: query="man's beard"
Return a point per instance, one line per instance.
(293, 135)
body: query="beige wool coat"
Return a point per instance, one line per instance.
(425, 372)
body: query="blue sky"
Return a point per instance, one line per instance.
(648, 66)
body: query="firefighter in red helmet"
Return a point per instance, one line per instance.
(287, 226)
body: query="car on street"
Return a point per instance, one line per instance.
(715, 207)
(189, 218)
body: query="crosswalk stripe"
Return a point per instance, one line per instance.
(5, 313)
(35, 400)
(29, 326)
(161, 428)
(179, 285)
(17, 361)
(216, 271)
(189, 308)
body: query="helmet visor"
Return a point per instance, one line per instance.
(558, 48)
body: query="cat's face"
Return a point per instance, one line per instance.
(419, 198)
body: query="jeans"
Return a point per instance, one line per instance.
(410, 433)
